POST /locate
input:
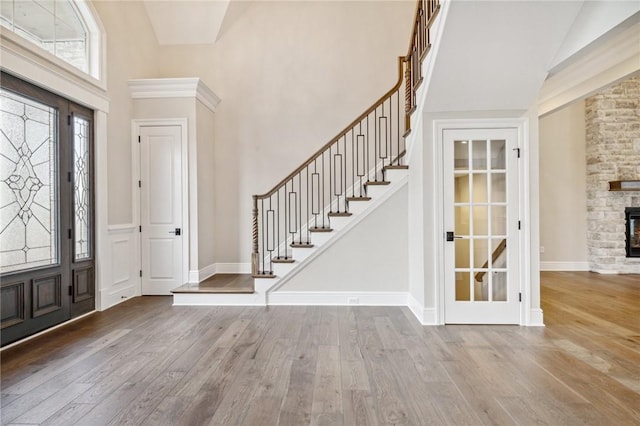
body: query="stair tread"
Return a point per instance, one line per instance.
(282, 260)
(358, 198)
(219, 283)
(265, 275)
(377, 182)
(339, 214)
(301, 245)
(397, 167)
(316, 229)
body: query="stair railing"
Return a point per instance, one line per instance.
(338, 174)
(426, 11)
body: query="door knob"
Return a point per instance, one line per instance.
(177, 231)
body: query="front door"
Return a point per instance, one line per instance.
(161, 208)
(481, 226)
(47, 254)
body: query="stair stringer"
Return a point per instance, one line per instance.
(398, 179)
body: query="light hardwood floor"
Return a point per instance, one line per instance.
(146, 362)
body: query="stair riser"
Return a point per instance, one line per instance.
(357, 207)
(338, 223)
(299, 254)
(319, 238)
(395, 175)
(375, 191)
(281, 269)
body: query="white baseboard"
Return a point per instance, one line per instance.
(536, 318)
(196, 277)
(338, 298)
(564, 266)
(233, 268)
(430, 316)
(426, 316)
(206, 272)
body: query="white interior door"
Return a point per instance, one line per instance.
(481, 226)
(161, 208)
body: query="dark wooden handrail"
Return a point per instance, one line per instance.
(496, 254)
(282, 214)
(318, 153)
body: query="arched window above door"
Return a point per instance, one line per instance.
(66, 29)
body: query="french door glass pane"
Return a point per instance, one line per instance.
(479, 149)
(480, 197)
(28, 189)
(81, 196)
(462, 286)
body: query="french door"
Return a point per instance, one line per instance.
(482, 224)
(46, 213)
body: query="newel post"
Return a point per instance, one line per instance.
(255, 256)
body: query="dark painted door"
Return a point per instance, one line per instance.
(45, 185)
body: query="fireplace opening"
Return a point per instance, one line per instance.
(632, 215)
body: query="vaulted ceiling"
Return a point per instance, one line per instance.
(192, 22)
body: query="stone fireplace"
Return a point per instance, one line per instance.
(632, 217)
(613, 154)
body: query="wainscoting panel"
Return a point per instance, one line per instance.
(124, 266)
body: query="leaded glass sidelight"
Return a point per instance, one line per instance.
(28, 190)
(81, 195)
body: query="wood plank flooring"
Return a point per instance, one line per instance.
(145, 362)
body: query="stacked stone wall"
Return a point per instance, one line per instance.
(613, 153)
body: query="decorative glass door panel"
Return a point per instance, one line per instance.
(481, 207)
(28, 189)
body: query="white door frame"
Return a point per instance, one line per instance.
(136, 124)
(522, 127)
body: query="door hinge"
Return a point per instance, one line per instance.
(140, 272)
(519, 297)
(68, 120)
(519, 225)
(139, 184)
(69, 233)
(139, 139)
(68, 176)
(70, 290)
(140, 228)
(517, 150)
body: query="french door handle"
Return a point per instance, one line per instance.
(176, 231)
(451, 236)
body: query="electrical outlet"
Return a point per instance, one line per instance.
(541, 249)
(352, 301)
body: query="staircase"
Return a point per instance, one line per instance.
(352, 174)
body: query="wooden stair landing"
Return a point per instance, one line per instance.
(220, 283)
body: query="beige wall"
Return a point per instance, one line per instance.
(132, 52)
(371, 257)
(563, 211)
(291, 75)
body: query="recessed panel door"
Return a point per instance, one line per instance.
(161, 208)
(481, 226)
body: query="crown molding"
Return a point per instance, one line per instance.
(194, 87)
(610, 62)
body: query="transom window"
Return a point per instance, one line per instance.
(64, 28)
